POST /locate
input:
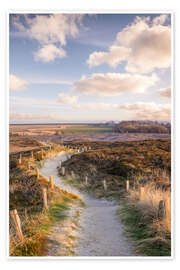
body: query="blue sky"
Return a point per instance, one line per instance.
(89, 68)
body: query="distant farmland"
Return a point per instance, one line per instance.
(86, 129)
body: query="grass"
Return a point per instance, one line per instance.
(37, 226)
(148, 241)
(86, 129)
(26, 197)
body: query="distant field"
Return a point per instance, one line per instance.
(54, 128)
(86, 129)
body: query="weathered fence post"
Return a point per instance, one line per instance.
(141, 193)
(63, 170)
(44, 196)
(29, 166)
(161, 210)
(127, 185)
(17, 223)
(104, 185)
(86, 180)
(60, 163)
(20, 158)
(72, 174)
(51, 181)
(37, 173)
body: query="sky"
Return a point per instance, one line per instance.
(89, 67)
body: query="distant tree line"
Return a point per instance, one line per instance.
(142, 127)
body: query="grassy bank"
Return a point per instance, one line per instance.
(37, 223)
(148, 224)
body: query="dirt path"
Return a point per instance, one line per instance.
(100, 232)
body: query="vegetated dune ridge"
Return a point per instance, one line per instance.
(100, 233)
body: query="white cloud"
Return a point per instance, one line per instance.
(148, 111)
(145, 45)
(28, 102)
(113, 84)
(16, 83)
(31, 117)
(165, 92)
(116, 55)
(48, 53)
(65, 99)
(160, 19)
(94, 106)
(51, 30)
(49, 81)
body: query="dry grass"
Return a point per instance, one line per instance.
(148, 196)
(26, 197)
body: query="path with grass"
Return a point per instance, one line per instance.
(100, 232)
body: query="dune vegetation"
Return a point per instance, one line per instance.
(147, 167)
(25, 195)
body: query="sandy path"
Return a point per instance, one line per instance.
(100, 232)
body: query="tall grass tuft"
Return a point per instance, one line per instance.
(147, 198)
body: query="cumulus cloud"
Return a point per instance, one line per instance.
(49, 52)
(113, 84)
(160, 19)
(65, 99)
(16, 83)
(116, 55)
(51, 30)
(165, 92)
(144, 45)
(148, 111)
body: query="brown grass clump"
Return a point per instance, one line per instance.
(147, 194)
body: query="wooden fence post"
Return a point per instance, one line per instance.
(17, 223)
(104, 185)
(141, 193)
(29, 166)
(161, 210)
(51, 181)
(20, 158)
(37, 173)
(63, 170)
(127, 185)
(60, 163)
(86, 180)
(44, 196)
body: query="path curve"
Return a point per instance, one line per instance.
(100, 232)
